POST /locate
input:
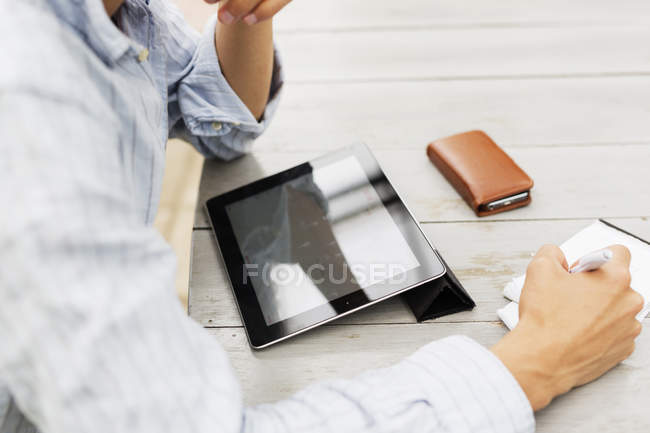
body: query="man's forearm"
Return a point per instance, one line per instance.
(246, 59)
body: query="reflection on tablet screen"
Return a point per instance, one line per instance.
(317, 238)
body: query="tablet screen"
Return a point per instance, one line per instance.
(316, 238)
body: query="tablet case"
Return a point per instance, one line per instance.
(437, 298)
(479, 170)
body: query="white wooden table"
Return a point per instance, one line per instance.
(564, 87)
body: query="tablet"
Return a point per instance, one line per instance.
(316, 242)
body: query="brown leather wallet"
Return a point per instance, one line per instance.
(480, 171)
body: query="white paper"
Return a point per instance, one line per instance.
(592, 238)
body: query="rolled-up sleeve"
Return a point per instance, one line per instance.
(206, 111)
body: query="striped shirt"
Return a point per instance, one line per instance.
(92, 338)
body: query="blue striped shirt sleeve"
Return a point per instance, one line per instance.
(203, 108)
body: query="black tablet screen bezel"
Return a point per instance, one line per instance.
(259, 333)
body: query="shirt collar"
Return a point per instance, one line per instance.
(90, 20)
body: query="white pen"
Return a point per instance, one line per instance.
(592, 261)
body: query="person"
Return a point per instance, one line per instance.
(93, 338)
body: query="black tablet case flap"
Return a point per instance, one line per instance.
(437, 298)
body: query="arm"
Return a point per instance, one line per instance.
(245, 46)
(448, 386)
(246, 58)
(220, 98)
(93, 338)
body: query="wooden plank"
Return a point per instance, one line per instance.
(484, 256)
(285, 368)
(613, 403)
(407, 115)
(358, 15)
(571, 182)
(464, 53)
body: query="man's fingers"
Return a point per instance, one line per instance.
(232, 10)
(265, 10)
(574, 264)
(634, 301)
(554, 253)
(617, 269)
(621, 255)
(250, 11)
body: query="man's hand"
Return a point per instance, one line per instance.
(249, 11)
(572, 327)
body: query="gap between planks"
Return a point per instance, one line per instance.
(511, 146)
(453, 26)
(495, 77)
(428, 322)
(641, 217)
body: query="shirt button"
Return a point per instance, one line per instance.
(143, 55)
(216, 126)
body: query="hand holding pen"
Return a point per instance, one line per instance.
(574, 325)
(591, 261)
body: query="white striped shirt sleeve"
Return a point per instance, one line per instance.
(93, 338)
(452, 385)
